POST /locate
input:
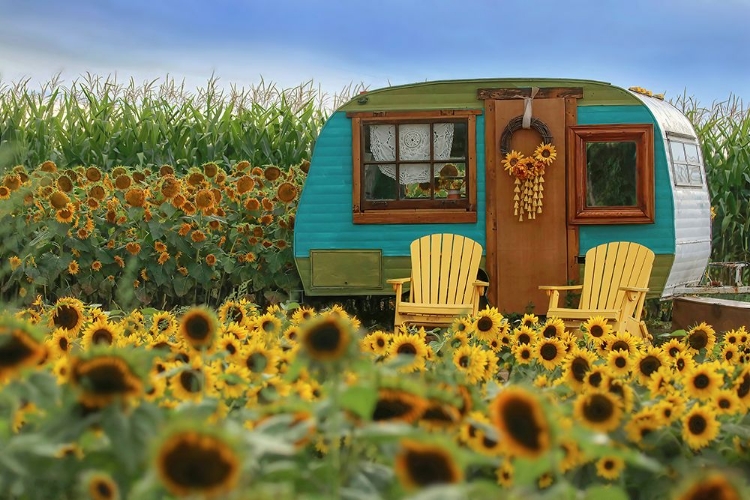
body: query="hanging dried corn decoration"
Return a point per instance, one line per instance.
(528, 188)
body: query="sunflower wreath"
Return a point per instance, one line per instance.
(528, 170)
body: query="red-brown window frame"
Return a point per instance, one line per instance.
(643, 136)
(462, 211)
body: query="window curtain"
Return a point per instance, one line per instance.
(413, 145)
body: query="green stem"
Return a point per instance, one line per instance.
(334, 436)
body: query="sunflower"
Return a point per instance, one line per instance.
(597, 328)
(545, 153)
(135, 197)
(700, 337)
(742, 386)
(104, 378)
(190, 383)
(623, 341)
(232, 311)
(232, 382)
(397, 405)
(258, 359)
(699, 427)
(714, 485)
(67, 313)
(419, 465)
(524, 335)
(553, 328)
(269, 324)
(487, 324)
(286, 192)
(529, 320)
(648, 362)
(18, 349)
(101, 486)
(511, 160)
(702, 381)
(730, 354)
(163, 322)
(518, 416)
(620, 363)
(576, 365)
(65, 215)
(523, 354)
(198, 327)
(598, 410)
(683, 362)
(726, 402)
(271, 173)
(549, 352)
(408, 346)
(377, 342)
(439, 415)
(674, 347)
(197, 463)
(326, 338)
(59, 343)
(469, 360)
(101, 332)
(505, 474)
(610, 467)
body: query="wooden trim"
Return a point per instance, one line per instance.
(401, 115)
(542, 93)
(427, 216)
(571, 120)
(357, 193)
(414, 211)
(490, 190)
(643, 136)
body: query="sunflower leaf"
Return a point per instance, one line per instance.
(360, 399)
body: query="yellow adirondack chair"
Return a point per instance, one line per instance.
(443, 281)
(614, 286)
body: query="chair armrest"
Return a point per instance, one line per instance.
(398, 281)
(480, 283)
(633, 289)
(566, 287)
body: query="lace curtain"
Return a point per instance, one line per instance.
(414, 144)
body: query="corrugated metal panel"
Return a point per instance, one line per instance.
(660, 236)
(324, 214)
(462, 94)
(692, 218)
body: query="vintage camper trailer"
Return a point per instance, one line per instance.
(469, 157)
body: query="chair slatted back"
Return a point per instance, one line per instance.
(443, 268)
(610, 266)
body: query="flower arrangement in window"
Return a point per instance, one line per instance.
(450, 179)
(529, 173)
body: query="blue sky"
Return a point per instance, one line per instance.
(698, 46)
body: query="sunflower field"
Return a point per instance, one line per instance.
(135, 237)
(290, 402)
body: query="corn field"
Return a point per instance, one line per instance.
(98, 121)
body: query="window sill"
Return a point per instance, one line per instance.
(436, 216)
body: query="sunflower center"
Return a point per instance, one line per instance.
(701, 381)
(524, 338)
(63, 343)
(680, 364)
(549, 332)
(595, 379)
(673, 352)
(484, 324)
(579, 367)
(548, 352)
(199, 465)
(190, 380)
(391, 408)
(326, 338)
(407, 349)
(728, 355)
(256, 362)
(596, 331)
(268, 326)
(108, 378)
(724, 403)
(104, 489)
(380, 342)
(598, 408)
(621, 362)
(437, 413)
(426, 468)
(649, 365)
(620, 345)
(198, 328)
(14, 352)
(230, 348)
(463, 361)
(525, 354)
(66, 317)
(744, 387)
(521, 424)
(697, 425)
(102, 336)
(609, 464)
(698, 339)
(235, 313)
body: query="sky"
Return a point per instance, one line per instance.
(698, 47)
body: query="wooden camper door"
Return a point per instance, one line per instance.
(521, 256)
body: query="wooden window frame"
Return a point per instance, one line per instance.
(452, 211)
(643, 136)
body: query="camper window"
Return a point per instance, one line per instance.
(414, 167)
(686, 163)
(612, 174)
